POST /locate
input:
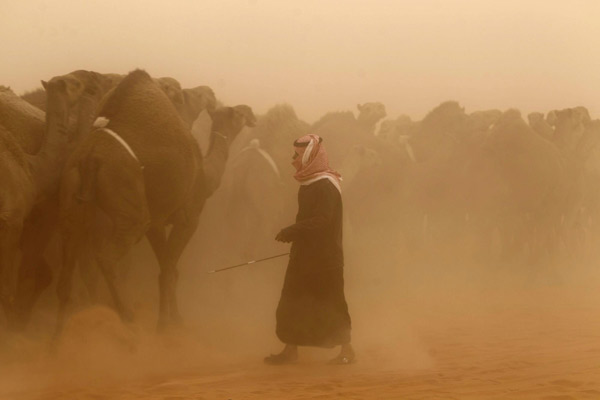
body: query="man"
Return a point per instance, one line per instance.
(312, 310)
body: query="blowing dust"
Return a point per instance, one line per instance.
(408, 305)
(450, 289)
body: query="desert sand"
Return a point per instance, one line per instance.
(533, 341)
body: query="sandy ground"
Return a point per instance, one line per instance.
(541, 343)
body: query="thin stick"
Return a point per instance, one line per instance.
(248, 263)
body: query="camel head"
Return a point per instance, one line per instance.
(229, 121)
(551, 118)
(196, 100)
(387, 131)
(447, 117)
(75, 94)
(481, 121)
(569, 126)
(535, 118)
(390, 130)
(506, 135)
(172, 89)
(371, 113)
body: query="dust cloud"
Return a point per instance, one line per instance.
(470, 228)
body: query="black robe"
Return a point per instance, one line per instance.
(312, 310)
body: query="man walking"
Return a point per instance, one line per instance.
(312, 310)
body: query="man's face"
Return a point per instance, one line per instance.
(297, 160)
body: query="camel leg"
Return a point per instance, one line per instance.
(168, 251)
(35, 275)
(65, 281)
(7, 254)
(127, 231)
(88, 270)
(107, 266)
(158, 241)
(178, 239)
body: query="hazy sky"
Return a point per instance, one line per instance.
(321, 55)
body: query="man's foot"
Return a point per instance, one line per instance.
(345, 357)
(289, 355)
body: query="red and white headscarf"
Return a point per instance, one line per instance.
(312, 163)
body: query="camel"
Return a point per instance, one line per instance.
(275, 131)
(25, 122)
(342, 130)
(145, 172)
(76, 98)
(72, 100)
(189, 103)
(394, 131)
(255, 197)
(36, 98)
(540, 125)
(16, 201)
(577, 138)
(24, 177)
(535, 175)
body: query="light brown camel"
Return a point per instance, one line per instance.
(145, 172)
(540, 125)
(342, 130)
(537, 186)
(577, 137)
(253, 194)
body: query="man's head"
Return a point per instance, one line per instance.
(305, 150)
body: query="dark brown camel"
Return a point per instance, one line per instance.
(72, 101)
(25, 179)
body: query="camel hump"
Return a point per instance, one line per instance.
(123, 91)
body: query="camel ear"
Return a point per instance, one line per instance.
(44, 84)
(359, 107)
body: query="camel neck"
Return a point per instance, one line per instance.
(215, 161)
(46, 165)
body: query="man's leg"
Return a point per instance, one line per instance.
(288, 355)
(346, 355)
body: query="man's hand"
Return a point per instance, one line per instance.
(283, 236)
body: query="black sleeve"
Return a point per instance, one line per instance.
(322, 203)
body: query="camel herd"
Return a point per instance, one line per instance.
(113, 159)
(480, 187)
(102, 160)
